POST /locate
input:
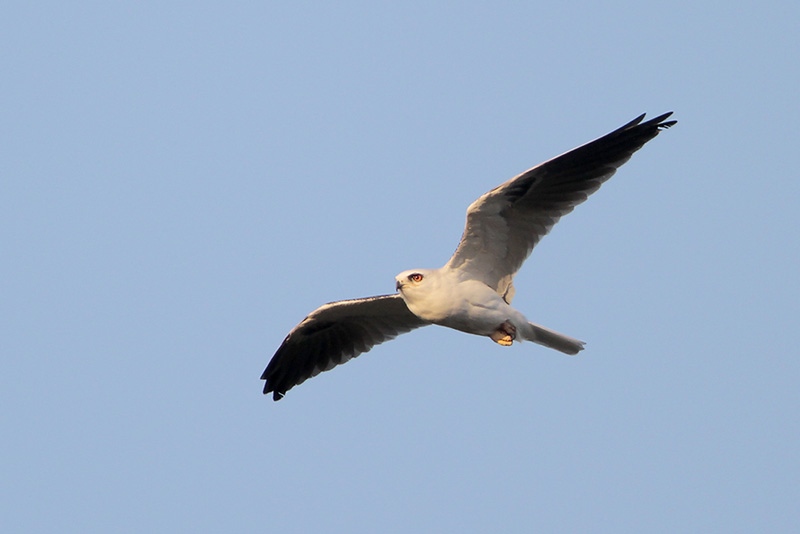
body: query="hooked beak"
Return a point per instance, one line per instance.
(399, 285)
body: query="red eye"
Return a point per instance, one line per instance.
(416, 277)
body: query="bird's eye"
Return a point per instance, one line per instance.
(416, 277)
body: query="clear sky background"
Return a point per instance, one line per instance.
(182, 182)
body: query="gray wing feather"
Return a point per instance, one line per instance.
(333, 334)
(506, 223)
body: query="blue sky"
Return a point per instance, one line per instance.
(183, 182)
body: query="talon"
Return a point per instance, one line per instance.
(505, 334)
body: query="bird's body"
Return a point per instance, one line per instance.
(448, 298)
(473, 291)
(443, 297)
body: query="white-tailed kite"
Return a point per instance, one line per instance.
(473, 291)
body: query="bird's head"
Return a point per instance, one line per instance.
(426, 292)
(410, 282)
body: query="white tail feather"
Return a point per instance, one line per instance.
(554, 340)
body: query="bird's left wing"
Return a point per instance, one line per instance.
(333, 334)
(506, 223)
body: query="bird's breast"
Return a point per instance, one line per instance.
(469, 306)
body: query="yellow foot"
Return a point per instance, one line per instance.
(505, 341)
(505, 334)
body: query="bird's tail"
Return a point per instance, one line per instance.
(554, 340)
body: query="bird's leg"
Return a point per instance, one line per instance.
(505, 334)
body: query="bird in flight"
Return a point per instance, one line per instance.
(473, 291)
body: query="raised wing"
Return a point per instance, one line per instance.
(506, 223)
(333, 334)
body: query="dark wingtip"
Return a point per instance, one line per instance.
(276, 395)
(268, 388)
(660, 123)
(634, 122)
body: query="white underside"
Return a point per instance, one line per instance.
(469, 305)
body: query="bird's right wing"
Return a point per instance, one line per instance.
(506, 223)
(333, 334)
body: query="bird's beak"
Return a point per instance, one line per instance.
(399, 285)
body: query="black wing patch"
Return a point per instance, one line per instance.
(333, 334)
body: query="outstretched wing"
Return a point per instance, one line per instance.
(506, 223)
(333, 334)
